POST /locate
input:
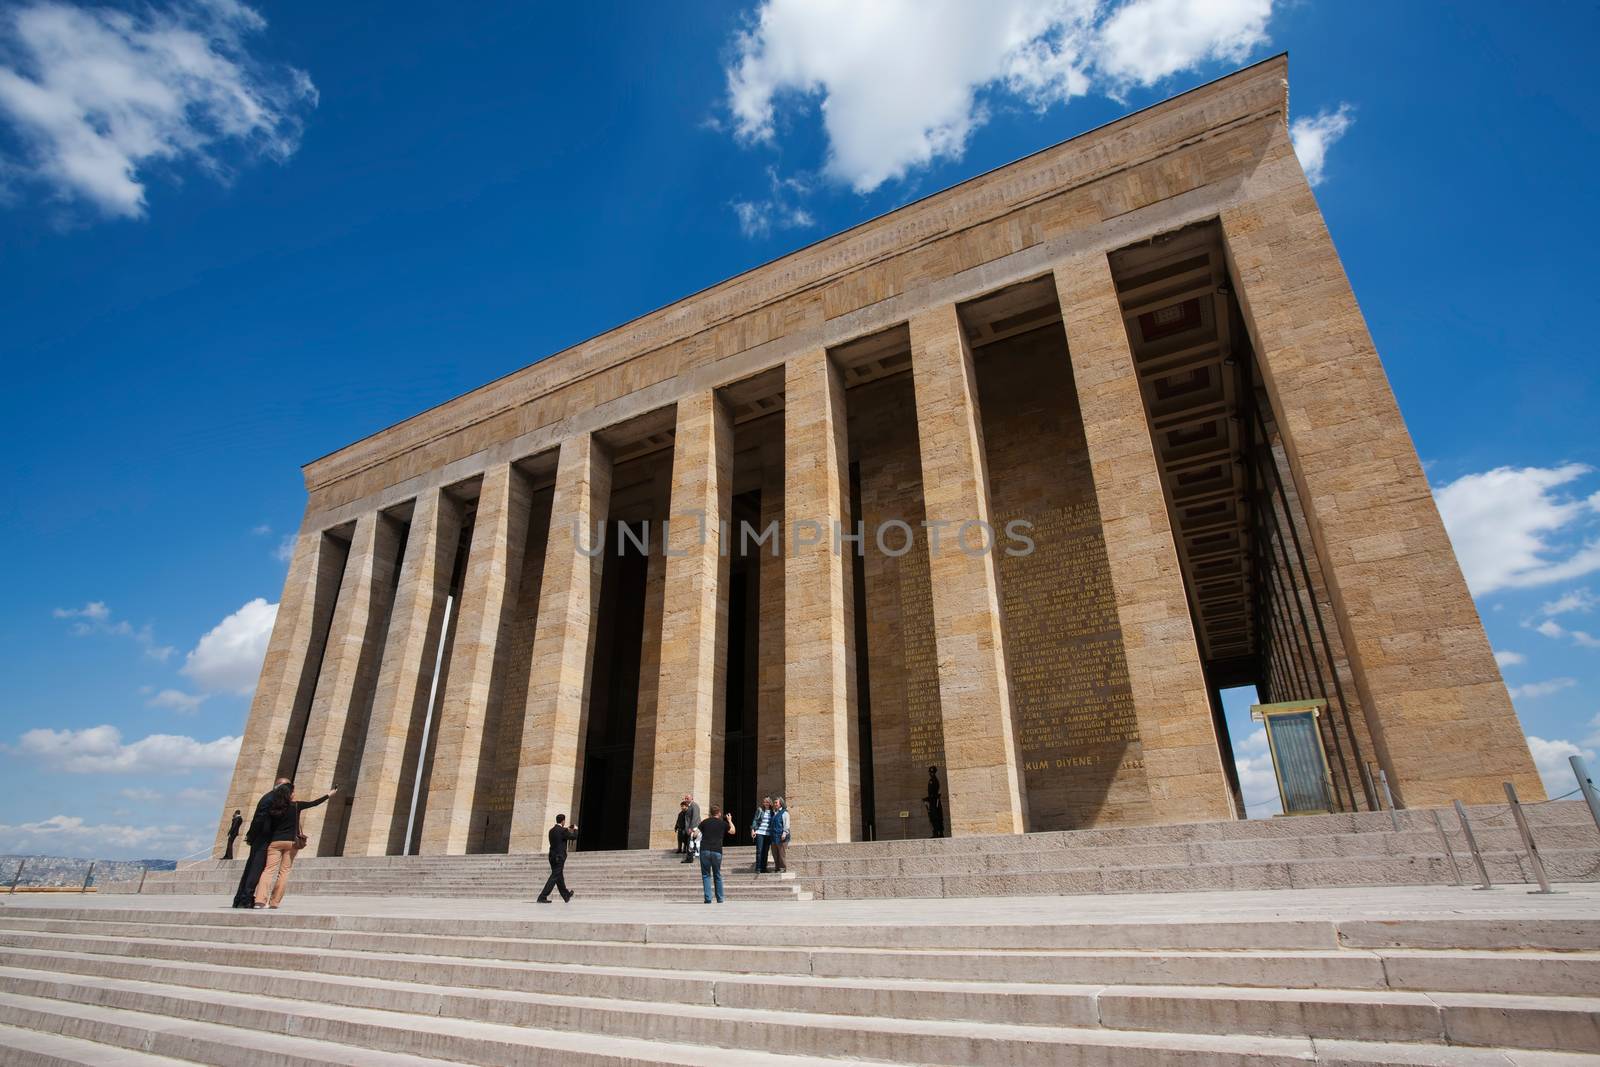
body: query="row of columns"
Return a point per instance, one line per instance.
(682, 726)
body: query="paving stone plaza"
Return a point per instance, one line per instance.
(1012, 482)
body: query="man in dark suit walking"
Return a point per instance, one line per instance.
(559, 836)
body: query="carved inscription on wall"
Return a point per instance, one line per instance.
(1071, 705)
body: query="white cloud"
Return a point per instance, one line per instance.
(1512, 529)
(779, 210)
(1533, 690)
(1313, 135)
(1509, 659)
(1576, 600)
(143, 796)
(902, 83)
(261, 530)
(285, 550)
(97, 96)
(1550, 757)
(228, 658)
(176, 700)
(100, 750)
(71, 835)
(94, 609)
(1554, 630)
(95, 618)
(1257, 782)
(1148, 40)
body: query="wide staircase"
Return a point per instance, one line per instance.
(1308, 852)
(1286, 853)
(644, 875)
(1452, 977)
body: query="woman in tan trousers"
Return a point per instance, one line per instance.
(284, 814)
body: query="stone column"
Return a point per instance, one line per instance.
(345, 684)
(694, 623)
(818, 610)
(1182, 760)
(494, 565)
(392, 755)
(1440, 716)
(288, 673)
(982, 768)
(644, 731)
(550, 770)
(772, 662)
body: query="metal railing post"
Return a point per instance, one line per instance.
(1585, 783)
(142, 872)
(1444, 839)
(1527, 840)
(87, 875)
(1388, 796)
(21, 863)
(1472, 845)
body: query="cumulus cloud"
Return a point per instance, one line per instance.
(902, 83)
(101, 750)
(1256, 781)
(781, 209)
(1313, 135)
(1514, 527)
(1554, 630)
(1578, 600)
(285, 550)
(1534, 690)
(1551, 759)
(177, 700)
(1509, 659)
(228, 658)
(98, 97)
(71, 835)
(95, 618)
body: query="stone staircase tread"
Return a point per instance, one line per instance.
(39, 1048)
(868, 983)
(181, 1032)
(1039, 1038)
(314, 1050)
(207, 977)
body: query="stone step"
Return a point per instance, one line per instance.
(1561, 866)
(34, 1048)
(1485, 817)
(666, 975)
(452, 1042)
(892, 1020)
(1555, 933)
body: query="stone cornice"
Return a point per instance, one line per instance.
(1126, 142)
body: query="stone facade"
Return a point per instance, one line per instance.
(1135, 350)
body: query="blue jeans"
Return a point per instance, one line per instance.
(763, 845)
(711, 868)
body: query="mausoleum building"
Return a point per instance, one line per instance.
(1011, 481)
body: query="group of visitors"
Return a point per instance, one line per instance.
(703, 839)
(275, 839)
(770, 828)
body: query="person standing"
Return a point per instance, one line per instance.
(759, 829)
(682, 828)
(779, 833)
(712, 833)
(934, 802)
(233, 832)
(286, 842)
(258, 837)
(559, 836)
(693, 819)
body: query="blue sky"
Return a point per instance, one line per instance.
(234, 239)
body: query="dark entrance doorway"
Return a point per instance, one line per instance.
(614, 697)
(741, 724)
